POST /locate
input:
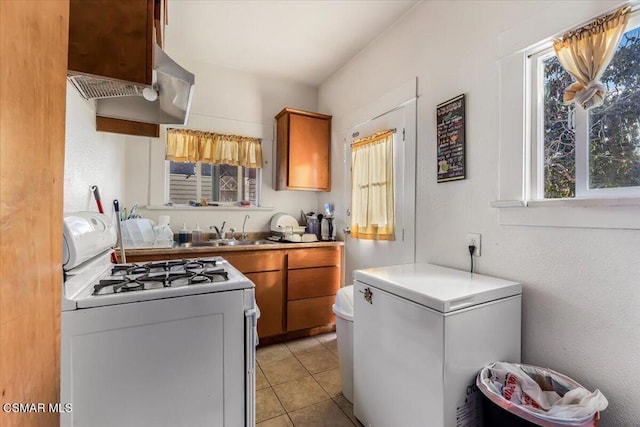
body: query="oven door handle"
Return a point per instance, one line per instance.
(251, 340)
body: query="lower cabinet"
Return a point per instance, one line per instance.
(310, 313)
(265, 270)
(270, 300)
(313, 279)
(295, 288)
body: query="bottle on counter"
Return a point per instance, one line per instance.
(184, 234)
(196, 234)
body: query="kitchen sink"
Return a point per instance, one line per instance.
(226, 242)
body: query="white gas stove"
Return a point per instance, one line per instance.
(123, 323)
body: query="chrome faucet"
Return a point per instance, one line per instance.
(219, 231)
(244, 234)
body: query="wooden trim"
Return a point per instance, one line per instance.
(127, 127)
(304, 113)
(33, 47)
(282, 152)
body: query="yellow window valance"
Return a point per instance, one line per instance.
(188, 146)
(372, 204)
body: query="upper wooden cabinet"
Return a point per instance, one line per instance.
(303, 159)
(112, 38)
(115, 39)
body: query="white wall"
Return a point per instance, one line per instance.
(91, 158)
(225, 101)
(581, 286)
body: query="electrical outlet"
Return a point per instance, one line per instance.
(473, 239)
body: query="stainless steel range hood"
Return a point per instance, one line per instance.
(118, 99)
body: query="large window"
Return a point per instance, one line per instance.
(594, 153)
(213, 183)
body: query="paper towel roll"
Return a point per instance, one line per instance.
(163, 220)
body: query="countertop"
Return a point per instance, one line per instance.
(188, 252)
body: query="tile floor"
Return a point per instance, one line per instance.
(298, 384)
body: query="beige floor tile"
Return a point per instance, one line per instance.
(267, 405)
(281, 371)
(272, 353)
(330, 381)
(304, 345)
(261, 380)
(300, 393)
(347, 408)
(281, 421)
(323, 414)
(318, 361)
(332, 346)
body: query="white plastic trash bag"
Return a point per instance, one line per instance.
(542, 393)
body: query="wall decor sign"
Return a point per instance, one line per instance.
(451, 139)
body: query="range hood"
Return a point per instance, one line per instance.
(137, 102)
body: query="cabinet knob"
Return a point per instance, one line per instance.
(347, 230)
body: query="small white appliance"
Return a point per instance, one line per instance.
(421, 334)
(163, 343)
(343, 309)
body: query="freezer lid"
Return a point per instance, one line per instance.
(439, 288)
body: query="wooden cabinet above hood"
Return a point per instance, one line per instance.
(112, 38)
(114, 59)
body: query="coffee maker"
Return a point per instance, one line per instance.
(327, 229)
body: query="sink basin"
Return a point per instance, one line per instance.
(226, 242)
(201, 244)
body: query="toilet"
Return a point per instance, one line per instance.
(343, 309)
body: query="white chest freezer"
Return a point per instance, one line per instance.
(421, 334)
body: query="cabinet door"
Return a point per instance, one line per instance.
(270, 299)
(309, 159)
(255, 261)
(313, 282)
(314, 257)
(112, 38)
(310, 312)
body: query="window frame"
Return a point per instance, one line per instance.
(534, 182)
(198, 170)
(512, 200)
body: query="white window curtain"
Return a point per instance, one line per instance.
(372, 205)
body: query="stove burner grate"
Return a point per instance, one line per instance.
(174, 274)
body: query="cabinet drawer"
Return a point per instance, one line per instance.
(313, 282)
(314, 257)
(310, 312)
(270, 299)
(250, 262)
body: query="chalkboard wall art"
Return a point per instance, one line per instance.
(451, 139)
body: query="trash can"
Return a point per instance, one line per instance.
(520, 395)
(343, 309)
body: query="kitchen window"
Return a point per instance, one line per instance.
(210, 168)
(577, 153)
(195, 181)
(560, 165)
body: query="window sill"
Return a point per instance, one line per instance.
(614, 213)
(207, 208)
